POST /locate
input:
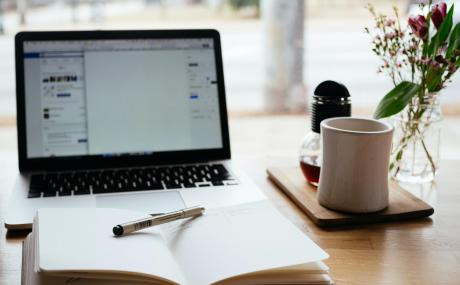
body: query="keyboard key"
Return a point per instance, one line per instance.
(49, 194)
(104, 188)
(155, 186)
(173, 186)
(34, 195)
(189, 185)
(34, 189)
(82, 192)
(64, 193)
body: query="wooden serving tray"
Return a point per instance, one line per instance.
(403, 205)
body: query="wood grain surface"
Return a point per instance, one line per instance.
(403, 205)
(423, 251)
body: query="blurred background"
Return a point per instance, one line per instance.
(275, 51)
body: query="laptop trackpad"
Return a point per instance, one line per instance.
(159, 202)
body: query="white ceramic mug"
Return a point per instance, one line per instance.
(354, 170)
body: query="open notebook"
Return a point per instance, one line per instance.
(244, 244)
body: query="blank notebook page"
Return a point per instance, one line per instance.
(82, 239)
(226, 242)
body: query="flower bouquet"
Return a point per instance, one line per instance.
(420, 58)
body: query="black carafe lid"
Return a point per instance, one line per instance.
(330, 99)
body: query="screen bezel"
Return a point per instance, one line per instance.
(99, 161)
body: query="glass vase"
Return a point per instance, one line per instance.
(416, 140)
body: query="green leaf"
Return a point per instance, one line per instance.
(446, 25)
(454, 41)
(443, 32)
(425, 44)
(399, 155)
(434, 79)
(396, 99)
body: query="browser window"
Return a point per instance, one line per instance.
(115, 97)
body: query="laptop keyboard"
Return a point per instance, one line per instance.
(132, 179)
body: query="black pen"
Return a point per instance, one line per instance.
(140, 224)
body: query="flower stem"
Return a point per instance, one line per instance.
(430, 158)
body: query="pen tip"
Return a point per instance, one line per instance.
(117, 230)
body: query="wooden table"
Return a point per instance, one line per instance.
(413, 252)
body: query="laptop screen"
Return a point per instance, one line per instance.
(120, 97)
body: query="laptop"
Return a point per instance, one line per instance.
(122, 119)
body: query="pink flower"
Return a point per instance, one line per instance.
(438, 13)
(418, 26)
(390, 36)
(389, 22)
